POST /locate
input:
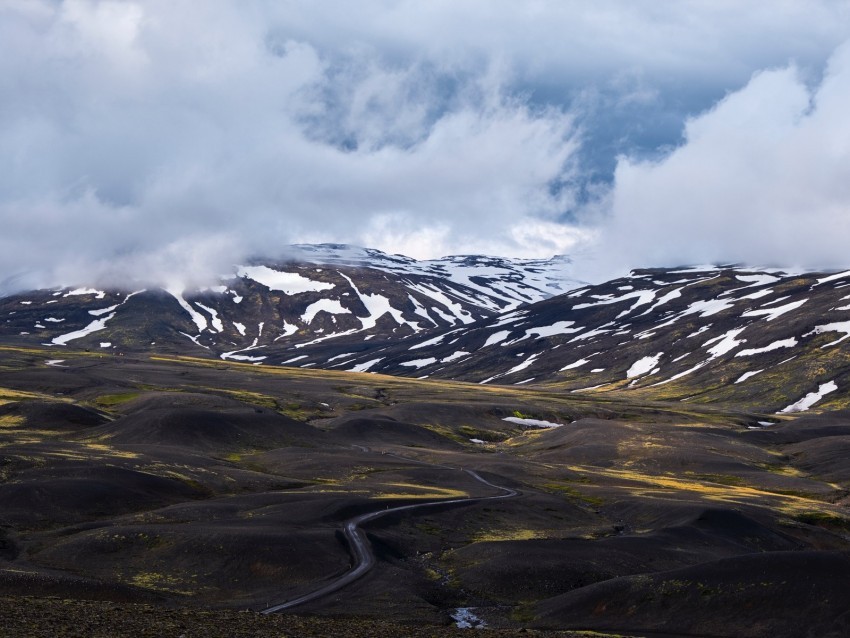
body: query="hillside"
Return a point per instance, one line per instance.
(320, 294)
(769, 339)
(157, 494)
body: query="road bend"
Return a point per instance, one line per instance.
(364, 557)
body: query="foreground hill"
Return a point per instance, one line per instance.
(140, 494)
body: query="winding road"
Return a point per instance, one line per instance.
(364, 557)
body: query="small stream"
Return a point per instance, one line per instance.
(465, 619)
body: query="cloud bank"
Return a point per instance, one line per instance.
(172, 138)
(762, 178)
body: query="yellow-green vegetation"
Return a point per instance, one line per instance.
(246, 396)
(179, 473)
(824, 519)
(108, 451)
(411, 490)
(11, 421)
(647, 484)
(108, 400)
(483, 435)
(523, 612)
(296, 411)
(447, 432)
(158, 581)
(785, 470)
(722, 479)
(507, 534)
(8, 394)
(564, 488)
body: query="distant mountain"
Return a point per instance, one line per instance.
(770, 339)
(332, 294)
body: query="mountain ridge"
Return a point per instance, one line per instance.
(770, 338)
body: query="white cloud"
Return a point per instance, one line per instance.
(762, 178)
(169, 137)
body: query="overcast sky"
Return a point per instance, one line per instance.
(176, 137)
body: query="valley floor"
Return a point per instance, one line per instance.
(165, 495)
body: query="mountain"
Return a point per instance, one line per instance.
(766, 338)
(337, 295)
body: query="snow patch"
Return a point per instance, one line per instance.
(726, 343)
(776, 345)
(496, 337)
(217, 325)
(99, 294)
(811, 398)
(364, 367)
(94, 326)
(243, 357)
(575, 364)
(758, 294)
(418, 363)
(433, 341)
(197, 317)
(558, 328)
(290, 283)
(840, 275)
(455, 356)
(643, 365)
(536, 423)
(523, 365)
(331, 306)
(748, 375)
(772, 313)
(341, 356)
(839, 326)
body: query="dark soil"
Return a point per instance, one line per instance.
(149, 497)
(63, 618)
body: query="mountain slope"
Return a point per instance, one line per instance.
(321, 294)
(770, 339)
(707, 334)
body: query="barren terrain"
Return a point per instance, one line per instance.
(176, 493)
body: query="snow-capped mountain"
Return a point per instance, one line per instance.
(767, 338)
(770, 339)
(511, 282)
(332, 294)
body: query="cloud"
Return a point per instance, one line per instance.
(171, 139)
(761, 178)
(137, 143)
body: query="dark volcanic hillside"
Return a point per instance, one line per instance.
(134, 486)
(769, 339)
